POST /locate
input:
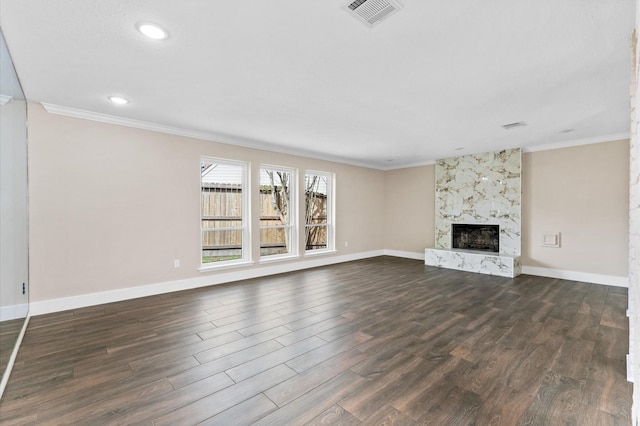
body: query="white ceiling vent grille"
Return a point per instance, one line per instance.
(371, 12)
(514, 125)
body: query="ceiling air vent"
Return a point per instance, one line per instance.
(371, 12)
(514, 125)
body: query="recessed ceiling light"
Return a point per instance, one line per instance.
(152, 30)
(566, 131)
(118, 100)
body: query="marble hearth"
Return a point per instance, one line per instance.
(471, 261)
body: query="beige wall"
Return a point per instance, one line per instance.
(409, 209)
(92, 185)
(111, 207)
(583, 193)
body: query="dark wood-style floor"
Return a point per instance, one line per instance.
(378, 341)
(9, 333)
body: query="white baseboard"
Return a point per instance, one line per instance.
(84, 300)
(586, 277)
(405, 254)
(14, 354)
(8, 313)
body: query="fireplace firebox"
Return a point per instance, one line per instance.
(481, 237)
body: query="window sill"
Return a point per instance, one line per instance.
(319, 252)
(226, 265)
(277, 258)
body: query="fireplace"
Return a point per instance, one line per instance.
(479, 237)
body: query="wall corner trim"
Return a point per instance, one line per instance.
(14, 354)
(84, 300)
(586, 277)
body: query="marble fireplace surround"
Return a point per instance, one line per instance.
(479, 189)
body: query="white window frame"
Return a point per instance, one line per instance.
(293, 214)
(331, 248)
(245, 216)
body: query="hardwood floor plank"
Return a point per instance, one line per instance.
(20, 420)
(103, 410)
(218, 351)
(269, 324)
(316, 356)
(168, 402)
(311, 330)
(584, 327)
(388, 416)
(613, 314)
(594, 301)
(302, 383)
(611, 342)
(422, 383)
(219, 365)
(558, 401)
(207, 407)
(381, 388)
(520, 334)
(244, 413)
(573, 359)
(504, 406)
(330, 316)
(335, 415)
(311, 404)
(473, 347)
(489, 369)
(607, 389)
(527, 372)
(589, 416)
(280, 356)
(402, 335)
(245, 316)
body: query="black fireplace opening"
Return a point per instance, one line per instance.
(479, 237)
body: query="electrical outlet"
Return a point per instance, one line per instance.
(346, 243)
(176, 263)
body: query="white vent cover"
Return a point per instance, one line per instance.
(514, 125)
(371, 12)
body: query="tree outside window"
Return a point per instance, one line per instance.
(278, 234)
(318, 212)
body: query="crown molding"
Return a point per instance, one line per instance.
(266, 146)
(577, 142)
(207, 136)
(408, 165)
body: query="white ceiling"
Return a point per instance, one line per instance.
(437, 79)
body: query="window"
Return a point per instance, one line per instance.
(318, 211)
(224, 210)
(278, 234)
